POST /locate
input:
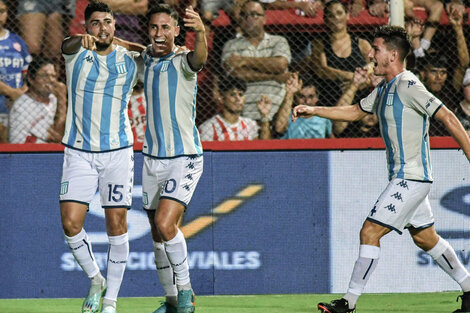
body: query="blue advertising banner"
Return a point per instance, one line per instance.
(258, 223)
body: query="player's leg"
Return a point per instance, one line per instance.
(153, 180)
(167, 217)
(425, 236)
(78, 186)
(369, 252)
(164, 269)
(116, 175)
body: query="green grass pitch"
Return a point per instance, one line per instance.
(441, 302)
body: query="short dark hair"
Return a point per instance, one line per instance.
(330, 3)
(162, 8)
(395, 37)
(435, 59)
(227, 83)
(35, 66)
(254, 1)
(97, 6)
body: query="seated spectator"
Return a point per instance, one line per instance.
(434, 9)
(230, 125)
(337, 53)
(258, 58)
(368, 126)
(15, 59)
(314, 127)
(462, 111)
(136, 109)
(38, 116)
(43, 25)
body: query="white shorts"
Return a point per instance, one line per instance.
(112, 173)
(174, 179)
(402, 204)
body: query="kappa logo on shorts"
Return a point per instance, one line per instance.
(391, 208)
(397, 196)
(403, 184)
(64, 188)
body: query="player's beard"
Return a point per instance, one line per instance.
(101, 46)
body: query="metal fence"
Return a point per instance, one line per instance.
(308, 56)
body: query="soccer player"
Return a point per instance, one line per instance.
(98, 153)
(403, 106)
(172, 148)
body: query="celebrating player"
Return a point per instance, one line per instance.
(403, 106)
(173, 159)
(98, 153)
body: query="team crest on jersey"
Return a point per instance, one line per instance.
(165, 65)
(17, 46)
(121, 67)
(390, 99)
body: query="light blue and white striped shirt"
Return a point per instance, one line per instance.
(170, 90)
(99, 88)
(404, 107)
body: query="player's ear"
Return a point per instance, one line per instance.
(177, 31)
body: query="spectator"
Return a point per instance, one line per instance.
(434, 9)
(210, 8)
(258, 58)
(43, 25)
(136, 110)
(38, 116)
(315, 127)
(336, 55)
(15, 59)
(366, 126)
(230, 125)
(462, 111)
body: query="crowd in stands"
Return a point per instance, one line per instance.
(255, 74)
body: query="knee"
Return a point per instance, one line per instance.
(369, 236)
(70, 227)
(116, 227)
(166, 228)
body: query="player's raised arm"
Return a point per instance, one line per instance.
(198, 57)
(129, 45)
(72, 44)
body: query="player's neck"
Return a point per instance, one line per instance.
(394, 71)
(230, 117)
(3, 31)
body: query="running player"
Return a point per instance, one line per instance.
(173, 159)
(403, 106)
(98, 153)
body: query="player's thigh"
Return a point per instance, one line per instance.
(183, 177)
(116, 178)
(72, 216)
(79, 177)
(398, 203)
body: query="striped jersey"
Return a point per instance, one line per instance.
(170, 91)
(404, 107)
(99, 88)
(14, 61)
(218, 129)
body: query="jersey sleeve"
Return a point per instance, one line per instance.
(369, 103)
(418, 97)
(188, 72)
(69, 57)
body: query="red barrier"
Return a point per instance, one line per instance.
(278, 144)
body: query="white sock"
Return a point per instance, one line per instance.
(81, 248)
(177, 253)
(424, 43)
(165, 272)
(365, 265)
(117, 258)
(445, 256)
